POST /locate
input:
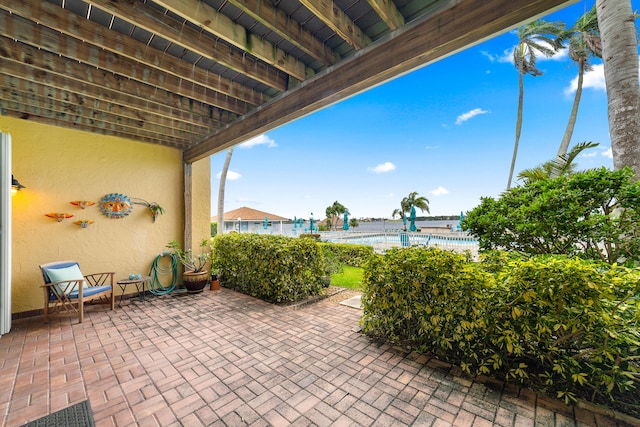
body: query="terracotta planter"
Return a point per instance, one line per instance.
(195, 282)
(215, 283)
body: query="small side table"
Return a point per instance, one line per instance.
(140, 283)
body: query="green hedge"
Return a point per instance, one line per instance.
(272, 268)
(348, 254)
(566, 326)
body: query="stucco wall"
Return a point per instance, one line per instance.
(59, 166)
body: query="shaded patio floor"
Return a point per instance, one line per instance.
(225, 359)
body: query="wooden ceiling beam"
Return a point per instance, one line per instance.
(286, 27)
(44, 38)
(456, 25)
(51, 118)
(388, 12)
(333, 17)
(104, 93)
(127, 54)
(88, 114)
(12, 83)
(199, 13)
(176, 32)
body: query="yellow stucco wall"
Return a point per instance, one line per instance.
(59, 166)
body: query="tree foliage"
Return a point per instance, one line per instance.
(334, 212)
(583, 43)
(413, 199)
(561, 165)
(593, 214)
(537, 37)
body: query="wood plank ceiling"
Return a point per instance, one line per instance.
(205, 75)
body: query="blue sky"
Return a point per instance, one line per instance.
(446, 131)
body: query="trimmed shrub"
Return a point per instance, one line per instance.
(347, 254)
(273, 268)
(571, 326)
(566, 326)
(426, 298)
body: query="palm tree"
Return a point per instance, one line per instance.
(620, 52)
(223, 181)
(560, 166)
(584, 42)
(412, 199)
(536, 37)
(333, 212)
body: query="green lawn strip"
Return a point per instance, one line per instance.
(350, 277)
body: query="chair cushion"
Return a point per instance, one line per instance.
(63, 275)
(86, 293)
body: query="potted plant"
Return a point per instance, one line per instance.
(156, 209)
(215, 281)
(196, 274)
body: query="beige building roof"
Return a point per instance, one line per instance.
(248, 214)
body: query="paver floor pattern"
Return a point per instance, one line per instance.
(226, 359)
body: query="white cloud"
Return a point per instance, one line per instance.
(440, 191)
(606, 152)
(560, 55)
(507, 55)
(245, 201)
(259, 140)
(432, 147)
(469, 114)
(389, 196)
(383, 167)
(231, 175)
(593, 79)
(489, 56)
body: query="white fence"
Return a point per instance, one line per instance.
(456, 241)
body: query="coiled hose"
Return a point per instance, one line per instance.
(157, 288)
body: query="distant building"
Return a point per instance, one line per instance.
(247, 220)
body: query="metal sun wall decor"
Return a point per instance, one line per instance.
(116, 205)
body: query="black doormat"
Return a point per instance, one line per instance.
(78, 415)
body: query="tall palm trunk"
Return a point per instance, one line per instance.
(223, 181)
(620, 55)
(518, 125)
(568, 133)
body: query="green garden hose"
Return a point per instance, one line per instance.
(157, 288)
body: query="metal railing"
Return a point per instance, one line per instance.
(457, 241)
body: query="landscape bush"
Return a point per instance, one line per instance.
(566, 326)
(273, 268)
(593, 214)
(347, 254)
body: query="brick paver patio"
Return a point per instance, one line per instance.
(226, 359)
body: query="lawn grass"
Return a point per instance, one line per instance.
(350, 277)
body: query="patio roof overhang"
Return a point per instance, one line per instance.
(205, 75)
